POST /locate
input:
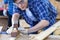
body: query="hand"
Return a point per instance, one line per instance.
(23, 30)
(5, 12)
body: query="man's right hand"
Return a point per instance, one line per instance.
(23, 30)
(5, 12)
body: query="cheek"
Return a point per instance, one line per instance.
(22, 5)
(19, 5)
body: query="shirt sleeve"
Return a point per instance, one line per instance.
(5, 1)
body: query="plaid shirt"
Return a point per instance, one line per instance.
(41, 10)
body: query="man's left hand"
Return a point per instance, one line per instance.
(25, 32)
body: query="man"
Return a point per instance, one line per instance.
(42, 15)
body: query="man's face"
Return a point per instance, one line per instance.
(22, 4)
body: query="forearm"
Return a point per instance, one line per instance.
(39, 26)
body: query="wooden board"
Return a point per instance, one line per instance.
(8, 37)
(50, 37)
(27, 37)
(57, 31)
(53, 37)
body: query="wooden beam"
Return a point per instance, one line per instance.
(44, 34)
(53, 37)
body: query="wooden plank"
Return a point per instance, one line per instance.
(57, 31)
(44, 34)
(8, 37)
(27, 37)
(53, 37)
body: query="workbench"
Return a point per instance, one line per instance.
(26, 37)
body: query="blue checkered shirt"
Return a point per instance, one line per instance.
(41, 10)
